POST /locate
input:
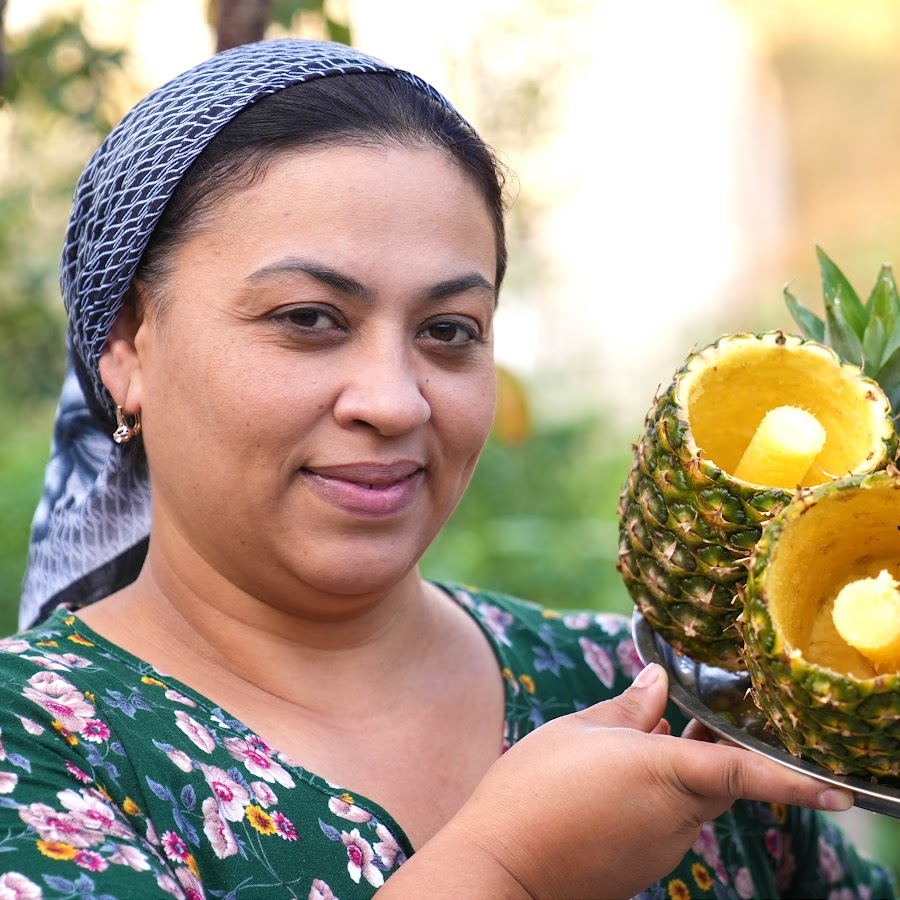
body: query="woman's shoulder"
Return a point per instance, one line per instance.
(586, 652)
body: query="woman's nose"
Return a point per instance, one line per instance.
(382, 390)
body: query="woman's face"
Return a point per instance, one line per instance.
(321, 383)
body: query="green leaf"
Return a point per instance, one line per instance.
(810, 324)
(840, 336)
(839, 291)
(889, 379)
(873, 346)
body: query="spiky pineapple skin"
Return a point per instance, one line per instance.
(687, 527)
(846, 724)
(685, 534)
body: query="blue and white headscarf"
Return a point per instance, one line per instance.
(90, 530)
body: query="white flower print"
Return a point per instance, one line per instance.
(59, 662)
(743, 884)
(265, 796)
(231, 796)
(178, 697)
(599, 660)
(255, 757)
(496, 620)
(15, 886)
(14, 645)
(8, 782)
(341, 807)
(359, 859)
(52, 825)
(577, 621)
(181, 759)
(829, 863)
(91, 811)
(198, 733)
(124, 855)
(387, 848)
(321, 891)
(63, 701)
(217, 830)
(30, 726)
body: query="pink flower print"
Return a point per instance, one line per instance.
(577, 621)
(30, 726)
(612, 623)
(14, 645)
(65, 704)
(257, 761)
(90, 810)
(284, 826)
(181, 759)
(707, 845)
(265, 796)
(231, 796)
(169, 885)
(193, 890)
(95, 731)
(845, 894)
(14, 886)
(51, 825)
(198, 734)
(318, 891)
(497, 621)
(217, 830)
(627, 655)
(346, 809)
(599, 660)
(359, 859)
(77, 773)
(743, 884)
(829, 863)
(59, 662)
(8, 781)
(773, 843)
(178, 697)
(91, 861)
(123, 855)
(175, 848)
(387, 848)
(464, 599)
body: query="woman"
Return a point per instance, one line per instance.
(280, 272)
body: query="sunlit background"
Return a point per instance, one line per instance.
(673, 166)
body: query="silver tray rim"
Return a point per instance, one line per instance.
(652, 647)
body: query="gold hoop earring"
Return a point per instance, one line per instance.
(125, 432)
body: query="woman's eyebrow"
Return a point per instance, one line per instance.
(353, 288)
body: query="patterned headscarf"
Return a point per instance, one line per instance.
(90, 530)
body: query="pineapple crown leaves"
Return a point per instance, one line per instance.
(865, 334)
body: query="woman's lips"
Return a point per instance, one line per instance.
(367, 489)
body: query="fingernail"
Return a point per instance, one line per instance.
(647, 676)
(835, 800)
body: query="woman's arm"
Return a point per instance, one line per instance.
(643, 793)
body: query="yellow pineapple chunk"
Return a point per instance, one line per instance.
(867, 616)
(785, 445)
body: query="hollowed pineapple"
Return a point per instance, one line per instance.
(687, 525)
(824, 698)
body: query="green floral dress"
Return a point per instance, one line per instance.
(119, 782)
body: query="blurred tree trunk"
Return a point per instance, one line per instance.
(4, 61)
(238, 21)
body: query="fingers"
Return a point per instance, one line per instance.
(729, 773)
(640, 707)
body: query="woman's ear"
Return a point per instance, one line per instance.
(120, 364)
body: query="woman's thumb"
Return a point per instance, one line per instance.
(640, 707)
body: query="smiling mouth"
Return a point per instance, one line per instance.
(367, 490)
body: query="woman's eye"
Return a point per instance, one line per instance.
(309, 318)
(451, 333)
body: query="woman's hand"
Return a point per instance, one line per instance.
(600, 803)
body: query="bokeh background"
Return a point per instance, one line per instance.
(672, 166)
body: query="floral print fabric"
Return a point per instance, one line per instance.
(117, 782)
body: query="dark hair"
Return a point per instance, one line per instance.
(360, 109)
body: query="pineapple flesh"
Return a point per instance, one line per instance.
(687, 523)
(824, 571)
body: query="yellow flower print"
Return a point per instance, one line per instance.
(130, 807)
(57, 849)
(101, 790)
(260, 819)
(678, 890)
(78, 639)
(702, 876)
(65, 734)
(90, 697)
(69, 620)
(527, 682)
(147, 679)
(191, 863)
(780, 811)
(551, 614)
(47, 643)
(347, 798)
